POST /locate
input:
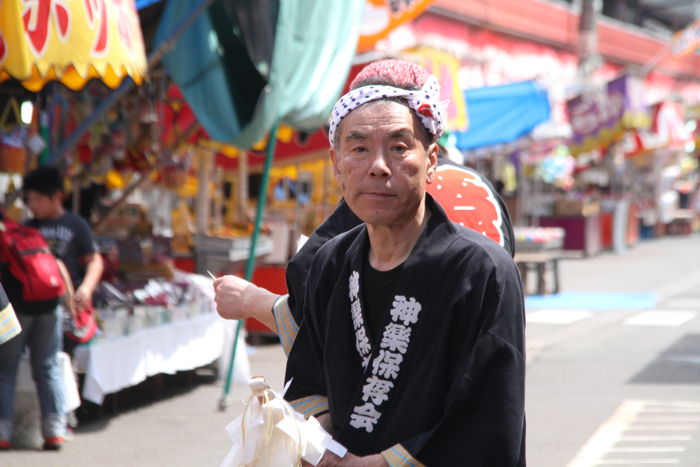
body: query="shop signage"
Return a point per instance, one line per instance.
(597, 119)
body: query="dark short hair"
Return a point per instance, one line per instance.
(46, 180)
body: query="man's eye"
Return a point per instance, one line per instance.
(359, 149)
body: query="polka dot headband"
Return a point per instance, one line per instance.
(425, 102)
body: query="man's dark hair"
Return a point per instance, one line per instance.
(45, 180)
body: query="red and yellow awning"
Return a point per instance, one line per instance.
(71, 41)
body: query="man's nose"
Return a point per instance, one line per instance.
(379, 167)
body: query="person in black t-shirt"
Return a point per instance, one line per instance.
(69, 235)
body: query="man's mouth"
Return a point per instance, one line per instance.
(383, 194)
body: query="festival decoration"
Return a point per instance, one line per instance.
(71, 41)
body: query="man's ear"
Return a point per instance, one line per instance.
(334, 163)
(432, 156)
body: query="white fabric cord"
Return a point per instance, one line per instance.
(425, 102)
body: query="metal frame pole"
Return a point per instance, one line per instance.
(250, 264)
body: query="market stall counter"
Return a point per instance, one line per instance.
(539, 249)
(582, 232)
(580, 219)
(151, 340)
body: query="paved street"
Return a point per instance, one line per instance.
(605, 386)
(619, 387)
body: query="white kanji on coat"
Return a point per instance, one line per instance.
(354, 285)
(362, 342)
(365, 417)
(356, 312)
(387, 364)
(396, 337)
(404, 310)
(376, 390)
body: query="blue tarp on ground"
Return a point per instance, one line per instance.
(593, 301)
(501, 114)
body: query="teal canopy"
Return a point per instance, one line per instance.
(249, 63)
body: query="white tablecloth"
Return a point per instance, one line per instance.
(114, 364)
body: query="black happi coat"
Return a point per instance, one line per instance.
(343, 219)
(455, 396)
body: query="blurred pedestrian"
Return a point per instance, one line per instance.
(72, 241)
(41, 332)
(68, 234)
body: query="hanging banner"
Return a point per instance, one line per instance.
(446, 68)
(601, 118)
(71, 41)
(668, 130)
(383, 16)
(687, 40)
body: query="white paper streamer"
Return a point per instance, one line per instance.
(270, 433)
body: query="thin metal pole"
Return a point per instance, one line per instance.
(127, 83)
(250, 264)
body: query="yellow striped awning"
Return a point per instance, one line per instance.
(71, 41)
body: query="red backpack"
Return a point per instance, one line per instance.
(29, 259)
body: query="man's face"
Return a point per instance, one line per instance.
(42, 206)
(382, 164)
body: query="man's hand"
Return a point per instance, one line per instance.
(236, 298)
(70, 305)
(82, 297)
(350, 460)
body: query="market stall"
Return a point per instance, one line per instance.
(594, 209)
(151, 340)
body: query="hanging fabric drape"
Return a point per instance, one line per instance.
(238, 89)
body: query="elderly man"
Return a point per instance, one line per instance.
(469, 198)
(411, 346)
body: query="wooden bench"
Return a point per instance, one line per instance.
(538, 261)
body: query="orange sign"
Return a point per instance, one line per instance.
(382, 16)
